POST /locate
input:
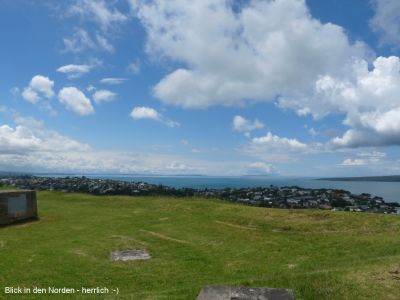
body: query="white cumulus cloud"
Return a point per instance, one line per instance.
(273, 148)
(75, 100)
(241, 124)
(30, 135)
(264, 50)
(30, 95)
(275, 51)
(369, 100)
(39, 87)
(143, 112)
(277, 142)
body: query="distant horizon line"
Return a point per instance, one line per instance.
(184, 175)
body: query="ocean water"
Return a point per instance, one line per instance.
(390, 191)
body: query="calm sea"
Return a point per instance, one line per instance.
(390, 191)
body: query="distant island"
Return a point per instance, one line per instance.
(391, 178)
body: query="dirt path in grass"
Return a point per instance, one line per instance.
(164, 237)
(236, 226)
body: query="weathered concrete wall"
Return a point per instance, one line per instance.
(17, 205)
(244, 293)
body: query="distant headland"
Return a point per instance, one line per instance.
(391, 178)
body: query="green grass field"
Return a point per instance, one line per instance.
(198, 242)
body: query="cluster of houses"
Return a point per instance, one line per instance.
(272, 196)
(296, 197)
(79, 185)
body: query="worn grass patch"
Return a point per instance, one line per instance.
(198, 242)
(382, 278)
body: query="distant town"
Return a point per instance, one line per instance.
(276, 197)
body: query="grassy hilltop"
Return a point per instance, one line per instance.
(196, 242)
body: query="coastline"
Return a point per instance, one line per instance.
(390, 191)
(289, 196)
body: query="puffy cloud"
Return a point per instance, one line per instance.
(30, 146)
(243, 125)
(30, 95)
(143, 112)
(103, 96)
(40, 86)
(43, 85)
(386, 21)
(30, 135)
(17, 139)
(113, 162)
(74, 71)
(272, 148)
(369, 99)
(98, 12)
(113, 80)
(274, 51)
(75, 100)
(275, 142)
(264, 50)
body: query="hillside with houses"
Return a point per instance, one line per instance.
(276, 197)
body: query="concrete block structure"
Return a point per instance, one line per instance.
(17, 205)
(244, 293)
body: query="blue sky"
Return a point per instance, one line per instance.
(280, 88)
